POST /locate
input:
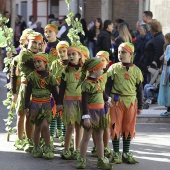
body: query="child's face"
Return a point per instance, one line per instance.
(34, 45)
(50, 35)
(62, 52)
(39, 64)
(98, 72)
(105, 62)
(74, 57)
(123, 55)
(22, 42)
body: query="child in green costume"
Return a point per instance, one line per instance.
(40, 84)
(56, 68)
(72, 101)
(94, 116)
(124, 85)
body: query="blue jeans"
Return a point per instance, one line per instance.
(148, 91)
(91, 49)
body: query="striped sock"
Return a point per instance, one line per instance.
(115, 143)
(52, 127)
(126, 143)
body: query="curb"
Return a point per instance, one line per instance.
(153, 119)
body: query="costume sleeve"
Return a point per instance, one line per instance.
(62, 89)
(54, 93)
(109, 85)
(105, 97)
(139, 92)
(13, 78)
(28, 94)
(84, 103)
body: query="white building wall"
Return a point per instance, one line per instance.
(161, 12)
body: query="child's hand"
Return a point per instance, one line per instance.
(165, 63)
(87, 122)
(139, 112)
(14, 98)
(109, 104)
(26, 112)
(162, 57)
(59, 108)
(44, 46)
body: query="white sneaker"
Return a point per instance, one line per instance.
(149, 101)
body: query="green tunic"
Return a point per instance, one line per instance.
(72, 103)
(125, 82)
(39, 111)
(98, 117)
(57, 69)
(52, 55)
(25, 57)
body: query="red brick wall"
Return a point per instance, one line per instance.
(127, 10)
(92, 10)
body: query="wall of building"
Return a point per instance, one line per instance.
(127, 10)
(161, 12)
(92, 10)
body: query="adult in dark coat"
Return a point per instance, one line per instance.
(154, 48)
(104, 38)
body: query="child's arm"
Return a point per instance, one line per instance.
(109, 85)
(27, 97)
(54, 91)
(85, 115)
(139, 93)
(62, 89)
(13, 81)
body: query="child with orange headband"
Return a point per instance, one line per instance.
(56, 68)
(40, 84)
(124, 85)
(72, 101)
(26, 66)
(104, 56)
(94, 116)
(50, 32)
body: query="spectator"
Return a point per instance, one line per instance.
(153, 49)
(32, 22)
(139, 44)
(93, 32)
(20, 26)
(51, 18)
(104, 38)
(124, 36)
(147, 17)
(39, 28)
(7, 15)
(115, 32)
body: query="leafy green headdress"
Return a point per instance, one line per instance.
(52, 27)
(104, 54)
(35, 36)
(62, 44)
(85, 51)
(42, 56)
(89, 65)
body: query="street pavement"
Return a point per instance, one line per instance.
(151, 146)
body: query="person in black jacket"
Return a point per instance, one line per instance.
(153, 49)
(104, 38)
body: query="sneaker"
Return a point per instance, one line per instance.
(37, 152)
(28, 145)
(81, 163)
(66, 154)
(19, 144)
(149, 101)
(164, 114)
(107, 152)
(75, 155)
(48, 152)
(94, 152)
(116, 158)
(103, 163)
(128, 158)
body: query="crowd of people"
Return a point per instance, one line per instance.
(90, 89)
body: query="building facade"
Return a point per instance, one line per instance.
(129, 10)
